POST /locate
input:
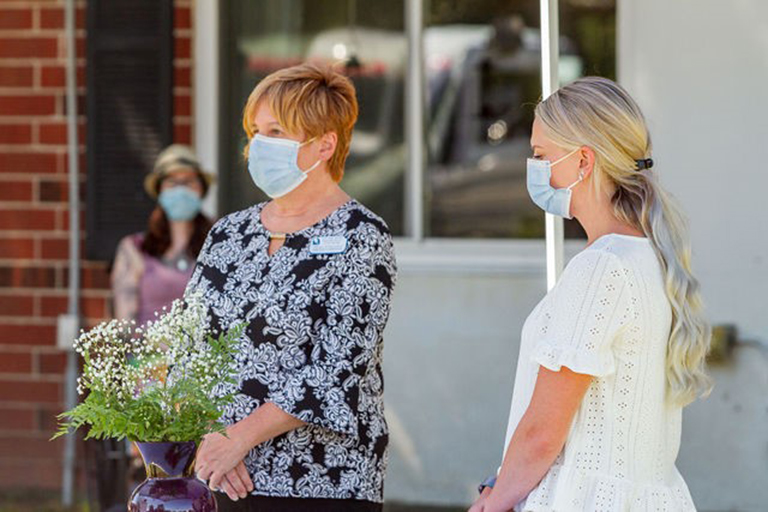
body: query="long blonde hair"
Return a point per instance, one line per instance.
(598, 113)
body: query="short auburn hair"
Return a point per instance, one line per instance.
(311, 98)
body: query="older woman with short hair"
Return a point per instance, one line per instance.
(311, 272)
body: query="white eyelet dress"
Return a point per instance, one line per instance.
(608, 316)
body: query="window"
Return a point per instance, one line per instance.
(262, 36)
(482, 82)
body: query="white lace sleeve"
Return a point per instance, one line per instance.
(585, 314)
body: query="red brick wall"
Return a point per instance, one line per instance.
(34, 224)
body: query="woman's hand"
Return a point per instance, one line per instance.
(479, 504)
(217, 456)
(237, 482)
(493, 504)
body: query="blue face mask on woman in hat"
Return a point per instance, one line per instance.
(273, 164)
(556, 201)
(180, 203)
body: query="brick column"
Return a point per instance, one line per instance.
(34, 224)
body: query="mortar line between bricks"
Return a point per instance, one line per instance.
(36, 18)
(82, 118)
(31, 263)
(35, 364)
(46, 61)
(48, 178)
(38, 32)
(33, 204)
(32, 149)
(50, 378)
(10, 404)
(27, 434)
(86, 293)
(10, 233)
(47, 351)
(37, 247)
(28, 321)
(26, 349)
(21, 349)
(27, 263)
(38, 148)
(25, 406)
(38, 90)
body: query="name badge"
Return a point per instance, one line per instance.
(327, 244)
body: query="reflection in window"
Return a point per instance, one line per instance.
(261, 36)
(482, 63)
(482, 74)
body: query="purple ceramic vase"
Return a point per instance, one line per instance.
(171, 485)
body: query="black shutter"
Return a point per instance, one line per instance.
(130, 109)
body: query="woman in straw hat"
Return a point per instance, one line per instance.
(152, 268)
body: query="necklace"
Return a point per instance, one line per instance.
(180, 262)
(312, 212)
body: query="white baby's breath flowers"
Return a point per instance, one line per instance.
(106, 349)
(154, 382)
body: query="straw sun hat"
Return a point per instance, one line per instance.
(174, 158)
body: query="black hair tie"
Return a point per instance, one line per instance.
(644, 163)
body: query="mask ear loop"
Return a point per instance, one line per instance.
(314, 166)
(302, 144)
(563, 158)
(581, 178)
(581, 173)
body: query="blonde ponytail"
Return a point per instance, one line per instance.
(598, 113)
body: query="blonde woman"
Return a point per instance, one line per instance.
(311, 273)
(616, 349)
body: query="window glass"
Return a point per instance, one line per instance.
(483, 67)
(482, 76)
(261, 36)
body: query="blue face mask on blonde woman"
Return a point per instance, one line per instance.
(556, 201)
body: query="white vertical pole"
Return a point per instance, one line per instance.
(549, 83)
(205, 92)
(414, 121)
(73, 313)
(550, 51)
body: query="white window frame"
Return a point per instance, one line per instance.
(416, 253)
(205, 93)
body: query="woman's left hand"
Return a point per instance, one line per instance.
(492, 504)
(217, 456)
(237, 484)
(479, 504)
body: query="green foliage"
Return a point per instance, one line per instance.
(171, 395)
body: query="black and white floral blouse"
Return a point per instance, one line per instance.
(312, 346)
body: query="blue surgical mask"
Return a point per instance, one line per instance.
(556, 201)
(273, 164)
(180, 203)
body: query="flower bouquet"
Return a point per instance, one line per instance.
(155, 385)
